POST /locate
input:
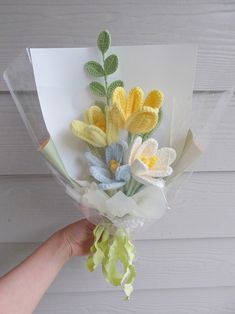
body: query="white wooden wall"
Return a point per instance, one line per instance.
(186, 261)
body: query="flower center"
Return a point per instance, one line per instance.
(149, 161)
(113, 165)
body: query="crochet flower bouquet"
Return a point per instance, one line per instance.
(118, 153)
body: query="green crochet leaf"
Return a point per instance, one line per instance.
(103, 41)
(110, 64)
(97, 88)
(110, 249)
(94, 69)
(114, 85)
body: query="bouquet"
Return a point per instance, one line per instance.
(119, 154)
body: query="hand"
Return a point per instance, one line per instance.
(78, 237)
(42, 267)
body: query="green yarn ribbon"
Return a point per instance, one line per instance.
(110, 249)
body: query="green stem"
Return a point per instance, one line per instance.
(130, 187)
(137, 187)
(131, 138)
(105, 82)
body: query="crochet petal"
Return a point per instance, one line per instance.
(148, 148)
(96, 136)
(118, 115)
(114, 152)
(118, 151)
(78, 127)
(160, 172)
(119, 97)
(112, 130)
(166, 156)
(118, 107)
(154, 99)
(133, 149)
(95, 116)
(101, 174)
(134, 101)
(93, 160)
(89, 133)
(112, 185)
(123, 173)
(124, 150)
(143, 121)
(138, 167)
(146, 180)
(109, 153)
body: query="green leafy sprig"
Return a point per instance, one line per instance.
(109, 66)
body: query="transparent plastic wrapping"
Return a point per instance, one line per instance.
(20, 80)
(206, 115)
(119, 213)
(208, 109)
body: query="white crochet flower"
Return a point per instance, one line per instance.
(150, 164)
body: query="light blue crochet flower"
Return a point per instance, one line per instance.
(111, 173)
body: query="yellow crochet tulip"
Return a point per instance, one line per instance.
(133, 113)
(98, 128)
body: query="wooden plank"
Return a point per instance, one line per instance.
(31, 208)
(19, 156)
(53, 24)
(177, 301)
(167, 264)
